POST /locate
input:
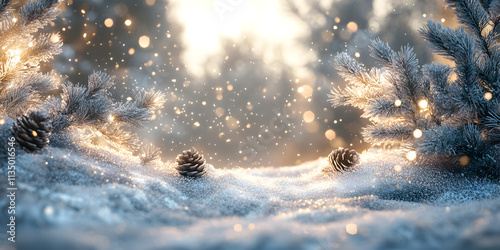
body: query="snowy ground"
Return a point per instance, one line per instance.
(87, 198)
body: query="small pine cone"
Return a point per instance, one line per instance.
(342, 160)
(32, 131)
(191, 163)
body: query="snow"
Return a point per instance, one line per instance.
(85, 197)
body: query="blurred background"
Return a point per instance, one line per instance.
(247, 81)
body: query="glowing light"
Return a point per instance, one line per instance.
(357, 54)
(131, 51)
(352, 27)
(111, 118)
(98, 133)
(251, 226)
(397, 103)
(55, 38)
(14, 19)
(144, 41)
(423, 104)
(108, 22)
(330, 134)
(351, 228)
(35, 134)
(220, 111)
(305, 91)
(30, 44)
(464, 160)
(411, 156)
(417, 133)
(196, 124)
(443, 20)
(488, 96)
(2, 121)
(84, 35)
(308, 116)
(398, 168)
(237, 227)
(128, 22)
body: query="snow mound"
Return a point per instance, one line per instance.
(84, 197)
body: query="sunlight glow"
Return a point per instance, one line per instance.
(260, 27)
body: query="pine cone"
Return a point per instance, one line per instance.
(32, 131)
(191, 163)
(342, 160)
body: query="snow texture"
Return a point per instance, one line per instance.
(84, 197)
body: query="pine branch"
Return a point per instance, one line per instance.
(149, 153)
(5, 8)
(475, 18)
(384, 108)
(387, 133)
(38, 14)
(381, 51)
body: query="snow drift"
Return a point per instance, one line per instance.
(85, 197)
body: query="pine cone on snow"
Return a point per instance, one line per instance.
(32, 131)
(191, 163)
(341, 160)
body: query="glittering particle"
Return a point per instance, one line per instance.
(108, 22)
(144, 41)
(397, 103)
(351, 228)
(417, 133)
(464, 160)
(411, 156)
(55, 38)
(308, 116)
(305, 91)
(398, 168)
(330, 134)
(423, 104)
(357, 54)
(48, 210)
(488, 96)
(352, 27)
(128, 22)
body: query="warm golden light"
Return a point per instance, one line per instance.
(128, 22)
(411, 156)
(352, 27)
(488, 96)
(330, 134)
(397, 103)
(108, 22)
(417, 133)
(309, 116)
(464, 160)
(35, 134)
(398, 168)
(423, 104)
(144, 41)
(351, 228)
